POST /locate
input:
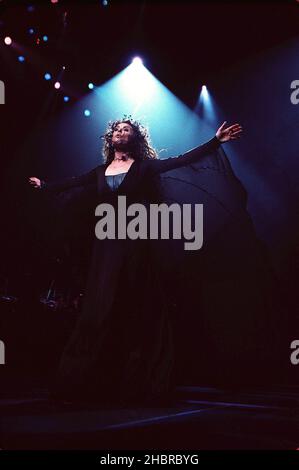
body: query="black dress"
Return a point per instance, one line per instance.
(122, 346)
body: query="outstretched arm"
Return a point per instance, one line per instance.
(66, 183)
(223, 134)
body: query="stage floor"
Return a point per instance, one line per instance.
(200, 418)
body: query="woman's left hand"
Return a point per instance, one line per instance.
(224, 134)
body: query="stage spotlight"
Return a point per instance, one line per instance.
(87, 113)
(66, 99)
(21, 58)
(8, 41)
(91, 86)
(137, 61)
(47, 76)
(206, 106)
(204, 92)
(45, 38)
(57, 85)
(31, 31)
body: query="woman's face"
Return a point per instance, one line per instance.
(122, 134)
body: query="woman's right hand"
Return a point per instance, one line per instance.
(35, 182)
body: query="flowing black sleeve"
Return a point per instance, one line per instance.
(159, 166)
(68, 183)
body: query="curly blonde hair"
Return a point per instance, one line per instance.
(141, 145)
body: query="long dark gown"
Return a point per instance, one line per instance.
(122, 345)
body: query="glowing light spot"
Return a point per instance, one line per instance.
(137, 61)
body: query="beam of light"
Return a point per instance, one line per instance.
(47, 76)
(136, 85)
(57, 85)
(205, 106)
(8, 40)
(174, 128)
(135, 91)
(21, 58)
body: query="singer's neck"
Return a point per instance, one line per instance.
(121, 156)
